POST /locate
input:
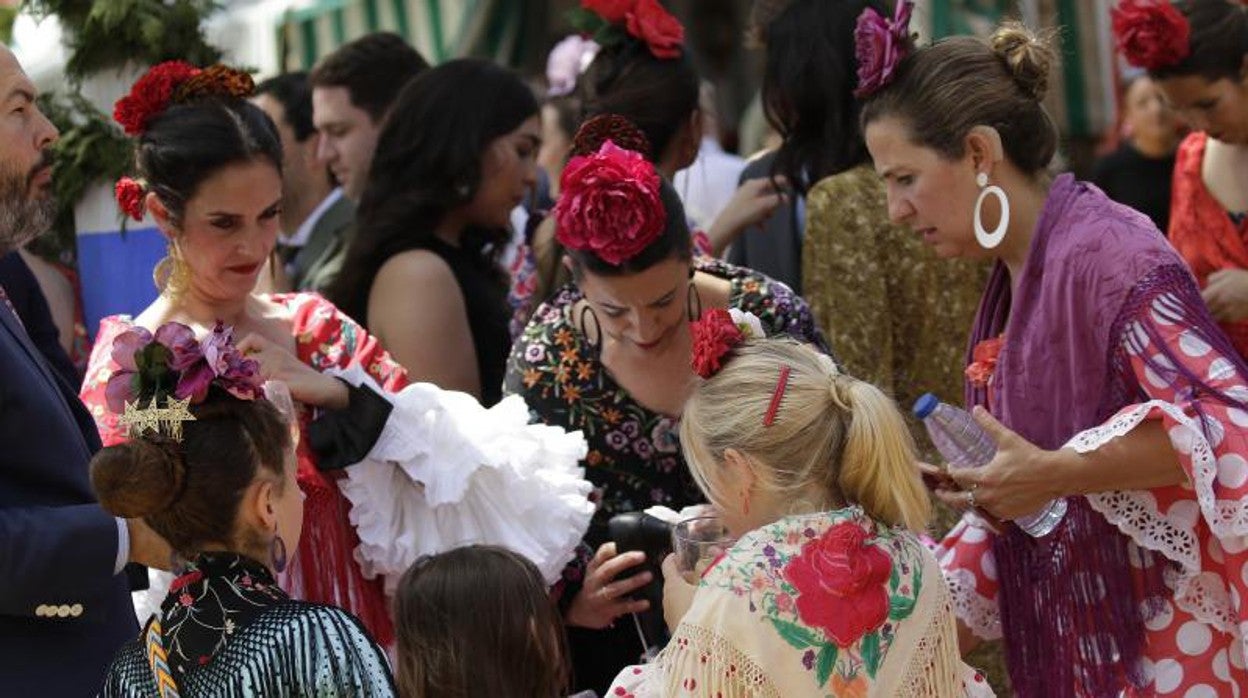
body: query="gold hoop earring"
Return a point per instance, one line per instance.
(171, 274)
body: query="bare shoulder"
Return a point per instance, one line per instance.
(415, 266)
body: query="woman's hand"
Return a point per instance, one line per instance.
(1018, 481)
(750, 204)
(306, 384)
(1226, 294)
(602, 599)
(677, 593)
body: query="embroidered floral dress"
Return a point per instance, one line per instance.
(324, 570)
(227, 630)
(634, 459)
(825, 604)
(634, 456)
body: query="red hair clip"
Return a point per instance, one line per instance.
(777, 396)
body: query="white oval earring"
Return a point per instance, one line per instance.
(989, 240)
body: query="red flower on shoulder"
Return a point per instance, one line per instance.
(984, 361)
(842, 583)
(714, 335)
(1151, 34)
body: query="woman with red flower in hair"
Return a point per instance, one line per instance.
(828, 589)
(608, 355)
(1197, 53)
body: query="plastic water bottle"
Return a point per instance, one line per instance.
(964, 444)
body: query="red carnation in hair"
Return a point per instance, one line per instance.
(610, 204)
(1151, 34)
(714, 335)
(609, 127)
(151, 94)
(130, 197)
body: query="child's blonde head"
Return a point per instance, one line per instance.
(834, 439)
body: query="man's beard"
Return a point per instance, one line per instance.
(23, 218)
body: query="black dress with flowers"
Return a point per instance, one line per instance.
(634, 459)
(227, 630)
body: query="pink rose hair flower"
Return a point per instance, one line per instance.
(610, 205)
(879, 45)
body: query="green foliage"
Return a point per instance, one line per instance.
(797, 636)
(600, 30)
(111, 34)
(824, 664)
(103, 35)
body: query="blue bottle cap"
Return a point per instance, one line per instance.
(925, 405)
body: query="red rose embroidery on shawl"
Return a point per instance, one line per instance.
(984, 361)
(841, 582)
(1151, 34)
(714, 335)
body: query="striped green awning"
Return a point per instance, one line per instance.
(1082, 97)
(439, 29)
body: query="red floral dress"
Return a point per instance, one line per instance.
(1196, 636)
(323, 570)
(1201, 230)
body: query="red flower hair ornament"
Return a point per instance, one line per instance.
(176, 82)
(1151, 34)
(644, 20)
(130, 194)
(879, 45)
(610, 204)
(716, 333)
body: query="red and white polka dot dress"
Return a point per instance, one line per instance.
(1196, 640)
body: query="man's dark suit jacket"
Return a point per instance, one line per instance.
(316, 264)
(63, 613)
(775, 247)
(32, 307)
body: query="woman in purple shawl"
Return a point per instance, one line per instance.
(1096, 367)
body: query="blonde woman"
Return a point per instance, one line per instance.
(828, 591)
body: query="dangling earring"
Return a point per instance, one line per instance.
(277, 552)
(693, 300)
(745, 503)
(989, 240)
(595, 340)
(170, 274)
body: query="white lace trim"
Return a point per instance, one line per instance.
(1135, 512)
(976, 611)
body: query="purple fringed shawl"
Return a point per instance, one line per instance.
(1070, 603)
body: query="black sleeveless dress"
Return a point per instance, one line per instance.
(484, 287)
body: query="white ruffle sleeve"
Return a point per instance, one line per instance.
(447, 472)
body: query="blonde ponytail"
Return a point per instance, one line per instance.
(878, 462)
(833, 440)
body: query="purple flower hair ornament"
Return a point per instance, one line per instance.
(879, 45)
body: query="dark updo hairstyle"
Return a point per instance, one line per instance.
(475, 602)
(808, 87)
(189, 142)
(189, 492)
(656, 94)
(944, 90)
(1218, 40)
(428, 162)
